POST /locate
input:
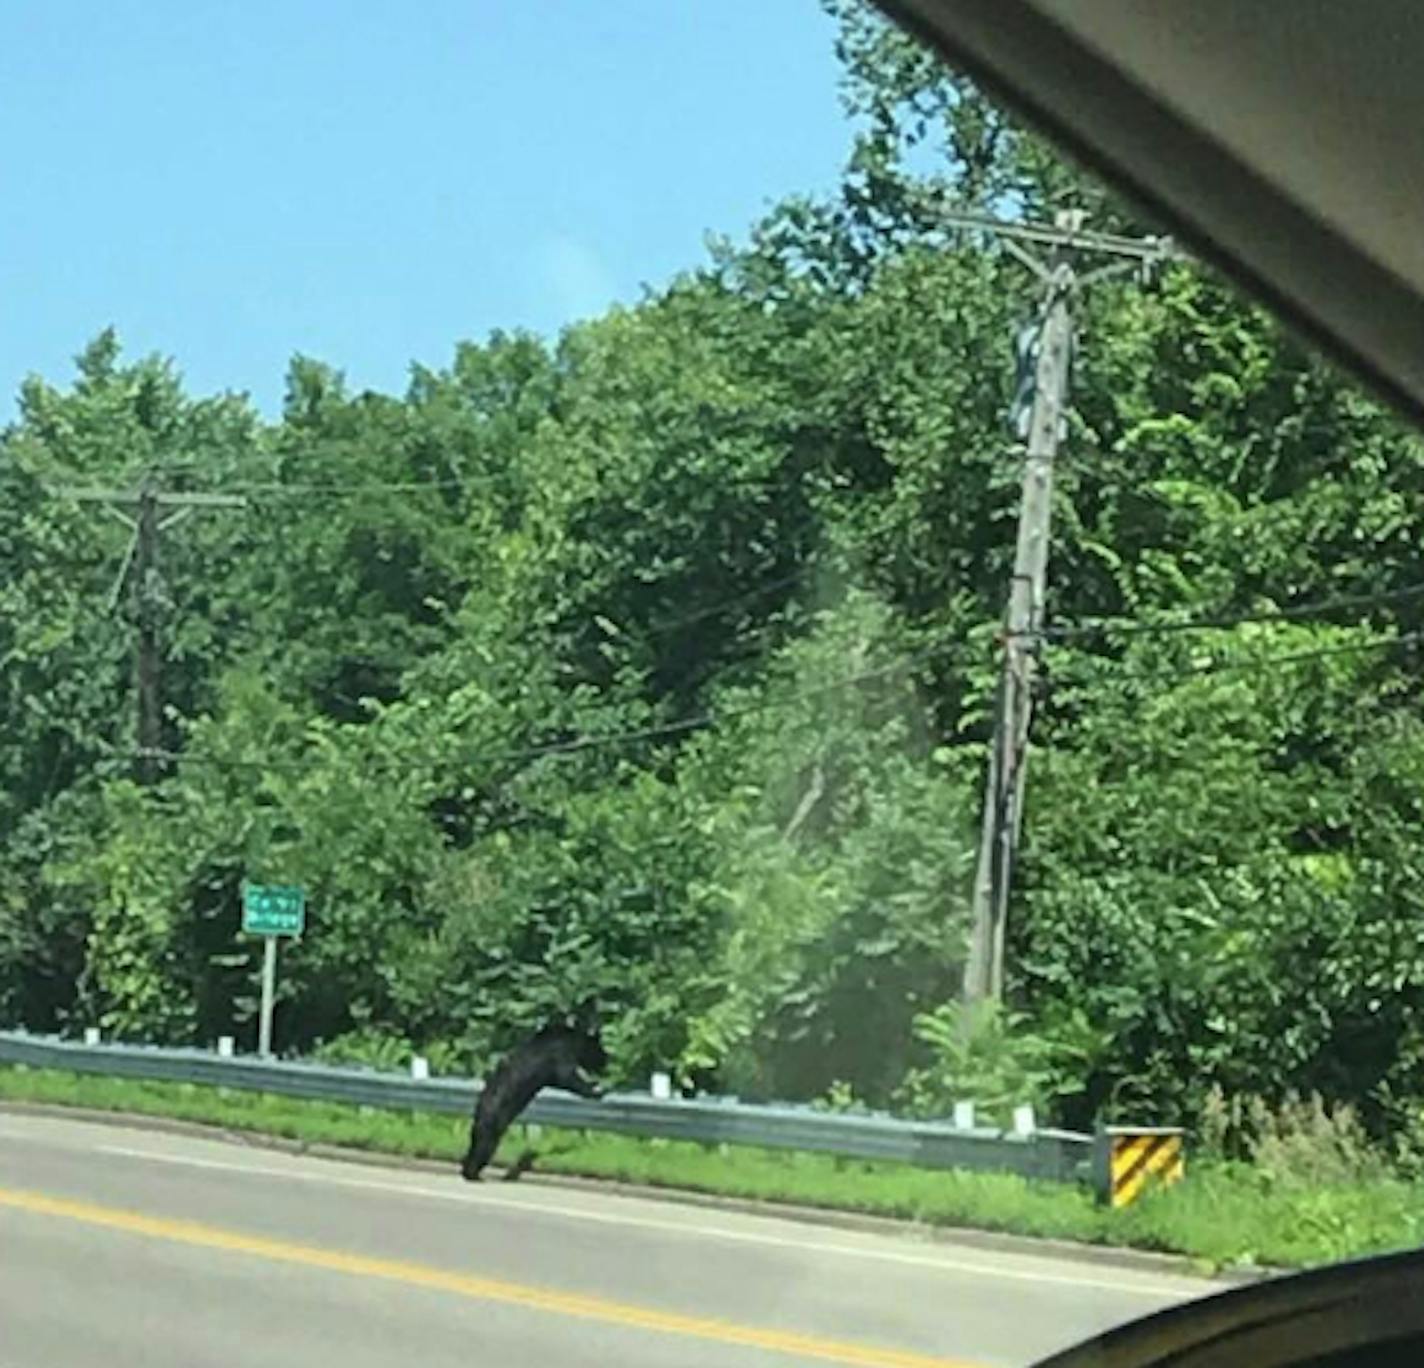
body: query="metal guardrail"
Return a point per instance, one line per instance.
(1062, 1156)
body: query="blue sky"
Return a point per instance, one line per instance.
(230, 182)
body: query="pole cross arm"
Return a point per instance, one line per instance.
(1053, 236)
(90, 494)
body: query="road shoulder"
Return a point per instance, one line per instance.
(1143, 1261)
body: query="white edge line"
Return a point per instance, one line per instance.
(1155, 1290)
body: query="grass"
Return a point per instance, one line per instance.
(1222, 1215)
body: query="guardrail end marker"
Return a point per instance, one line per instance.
(91, 1035)
(225, 1047)
(419, 1067)
(1127, 1159)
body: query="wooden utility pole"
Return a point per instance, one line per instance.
(141, 511)
(148, 605)
(1004, 786)
(1051, 353)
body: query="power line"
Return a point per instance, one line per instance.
(277, 487)
(636, 634)
(250, 491)
(577, 745)
(270, 489)
(302, 489)
(652, 631)
(1318, 653)
(662, 628)
(1136, 627)
(265, 461)
(701, 721)
(1262, 662)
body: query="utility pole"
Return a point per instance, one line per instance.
(1048, 356)
(141, 511)
(147, 606)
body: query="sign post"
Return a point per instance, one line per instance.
(270, 911)
(269, 995)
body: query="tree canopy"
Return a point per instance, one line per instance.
(653, 663)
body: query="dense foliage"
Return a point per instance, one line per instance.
(653, 665)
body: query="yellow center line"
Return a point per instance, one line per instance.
(465, 1285)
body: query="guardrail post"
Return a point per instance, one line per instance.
(1023, 1121)
(225, 1047)
(660, 1086)
(91, 1035)
(419, 1067)
(964, 1116)
(1126, 1159)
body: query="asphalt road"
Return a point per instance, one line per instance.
(123, 1247)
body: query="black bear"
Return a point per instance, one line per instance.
(555, 1057)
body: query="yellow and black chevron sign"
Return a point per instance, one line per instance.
(1132, 1157)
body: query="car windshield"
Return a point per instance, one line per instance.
(665, 602)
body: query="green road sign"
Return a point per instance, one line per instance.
(273, 910)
